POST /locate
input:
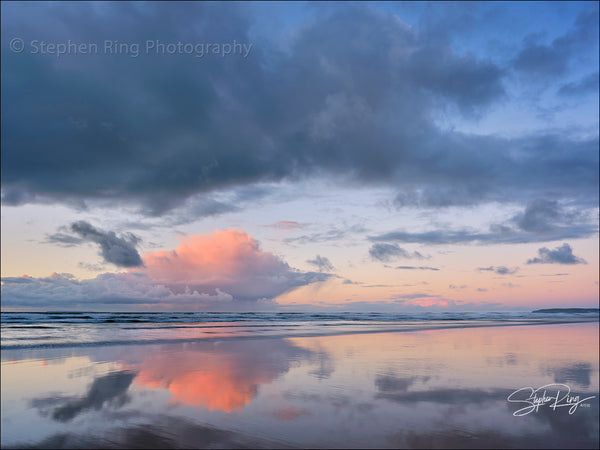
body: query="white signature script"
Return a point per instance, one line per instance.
(557, 394)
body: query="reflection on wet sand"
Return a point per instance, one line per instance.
(441, 389)
(223, 377)
(108, 388)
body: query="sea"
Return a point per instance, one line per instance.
(70, 328)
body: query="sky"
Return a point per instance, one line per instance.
(254, 156)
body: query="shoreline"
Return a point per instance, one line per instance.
(405, 327)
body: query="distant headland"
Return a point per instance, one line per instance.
(567, 310)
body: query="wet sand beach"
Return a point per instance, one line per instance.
(442, 388)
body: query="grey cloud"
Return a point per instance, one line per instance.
(553, 60)
(322, 263)
(542, 220)
(388, 252)
(66, 240)
(438, 237)
(416, 268)
(125, 129)
(415, 296)
(287, 225)
(204, 208)
(560, 255)
(542, 216)
(440, 196)
(463, 79)
(91, 267)
(431, 237)
(332, 234)
(588, 84)
(500, 270)
(120, 251)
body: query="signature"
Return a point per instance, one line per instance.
(558, 395)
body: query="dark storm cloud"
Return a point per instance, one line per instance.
(387, 252)
(560, 255)
(355, 93)
(322, 263)
(119, 251)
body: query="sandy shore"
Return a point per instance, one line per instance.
(430, 386)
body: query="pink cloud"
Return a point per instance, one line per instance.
(229, 260)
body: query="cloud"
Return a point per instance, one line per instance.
(416, 268)
(105, 291)
(322, 263)
(229, 260)
(553, 60)
(91, 267)
(119, 251)
(288, 225)
(542, 220)
(588, 84)
(63, 239)
(500, 270)
(542, 216)
(560, 255)
(360, 106)
(387, 252)
(416, 295)
(116, 250)
(332, 234)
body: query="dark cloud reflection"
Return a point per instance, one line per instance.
(108, 389)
